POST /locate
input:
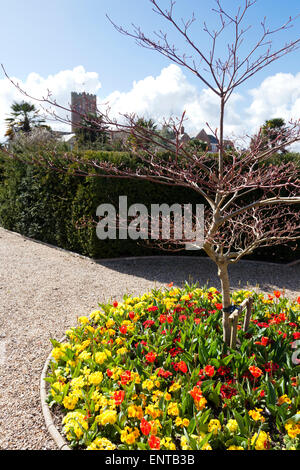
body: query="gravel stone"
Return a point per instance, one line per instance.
(44, 289)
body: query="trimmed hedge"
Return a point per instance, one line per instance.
(48, 206)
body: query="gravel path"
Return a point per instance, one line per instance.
(42, 292)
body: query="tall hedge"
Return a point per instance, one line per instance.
(50, 206)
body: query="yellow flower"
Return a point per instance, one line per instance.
(95, 378)
(175, 386)
(178, 421)
(122, 351)
(95, 315)
(206, 446)
(293, 429)
(90, 329)
(83, 320)
(70, 401)
(148, 384)
(261, 440)
(167, 396)
(156, 395)
(84, 356)
(78, 382)
(101, 443)
(86, 371)
(173, 409)
(80, 347)
(185, 297)
(129, 436)
(57, 353)
(107, 417)
(120, 341)
(136, 378)
(58, 386)
(284, 399)
(235, 448)
(181, 422)
(214, 426)
(232, 425)
(100, 357)
(155, 426)
(167, 443)
(134, 411)
(153, 411)
(74, 421)
(255, 414)
(184, 443)
(110, 323)
(200, 404)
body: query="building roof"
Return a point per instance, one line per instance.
(202, 135)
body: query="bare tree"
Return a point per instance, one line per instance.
(250, 203)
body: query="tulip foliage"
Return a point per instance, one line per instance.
(152, 372)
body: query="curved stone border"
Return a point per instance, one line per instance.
(51, 428)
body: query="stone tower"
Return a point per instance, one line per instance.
(81, 104)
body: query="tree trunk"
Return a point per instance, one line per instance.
(221, 139)
(224, 279)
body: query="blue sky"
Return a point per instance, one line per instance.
(50, 37)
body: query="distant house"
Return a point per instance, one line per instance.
(212, 142)
(209, 139)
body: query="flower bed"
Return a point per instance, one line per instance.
(153, 372)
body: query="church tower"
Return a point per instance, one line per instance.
(81, 105)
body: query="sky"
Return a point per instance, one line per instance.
(70, 45)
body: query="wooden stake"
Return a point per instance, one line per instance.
(248, 314)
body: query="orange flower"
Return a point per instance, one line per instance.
(125, 377)
(154, 442)
(119, 397)
(145, 427)
(277, 293)
(263, 342)
(151, 356)
(209, 370)
(255, 371)
(196, 393)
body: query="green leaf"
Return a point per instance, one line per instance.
(271, 396)
(191, 426)
(240, 422)
(204, 440)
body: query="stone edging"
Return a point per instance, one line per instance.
(51, 428)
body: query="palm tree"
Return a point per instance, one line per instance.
(24, 116)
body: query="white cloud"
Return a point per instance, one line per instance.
(277, 96)
(60, 85)
(169, 93)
